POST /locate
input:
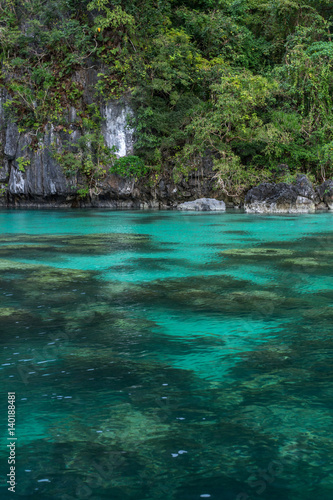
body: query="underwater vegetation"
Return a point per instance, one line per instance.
(173, 387)
(29, 245)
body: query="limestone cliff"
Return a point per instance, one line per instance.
(30, 176)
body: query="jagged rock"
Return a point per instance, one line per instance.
(304, 204)
(282, 197)
(321, 206)
(325, 193)
(304, 187)
(30, 176)
(16, 182)
(119, 186)
(17, 178)
(12, 139)
(4, 171)
(203, 204)
(43, 176)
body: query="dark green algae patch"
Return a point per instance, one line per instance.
(30, 246)
(220, 295)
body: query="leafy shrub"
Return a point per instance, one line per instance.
(129, 166)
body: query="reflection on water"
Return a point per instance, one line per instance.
(162, 355)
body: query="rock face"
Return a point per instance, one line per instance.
(30, 176)
(325, 193)
(41, 178)
(282, 198)
(115, 130)
(12, 138)
(203, 204)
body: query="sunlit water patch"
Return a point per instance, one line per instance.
(165, 355)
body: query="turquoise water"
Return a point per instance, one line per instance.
(165, 355)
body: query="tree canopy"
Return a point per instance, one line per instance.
(247, 81)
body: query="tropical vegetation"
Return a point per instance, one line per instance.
(247, 82)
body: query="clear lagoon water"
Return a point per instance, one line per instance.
(166, 355)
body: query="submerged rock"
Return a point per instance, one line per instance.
(203, 205)
(257, 253)
(8, 265)
(98, 244)
(211, 294)
(282, 197)
(319, 313)
(305, 262)
(11, 314)
(52, 278)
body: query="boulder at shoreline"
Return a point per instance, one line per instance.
(203, 205)
(282, 198)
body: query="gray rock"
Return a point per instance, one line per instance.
(43, 176)
(203, 204)
(87, 79)
(304, 204)
(325, 193)
(50, 172)
(304, 187)
(12, 139)
(37, 179)
(117, 186)
(281, 198)
(17, 182)
(72, 114)
(18, 178)
(3, 99)
(321, 206)
(4, 171)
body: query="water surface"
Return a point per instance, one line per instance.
(166, 355)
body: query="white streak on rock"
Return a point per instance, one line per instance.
(115, 130)
(17, 184)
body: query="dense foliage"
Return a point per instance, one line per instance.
(247, 81)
